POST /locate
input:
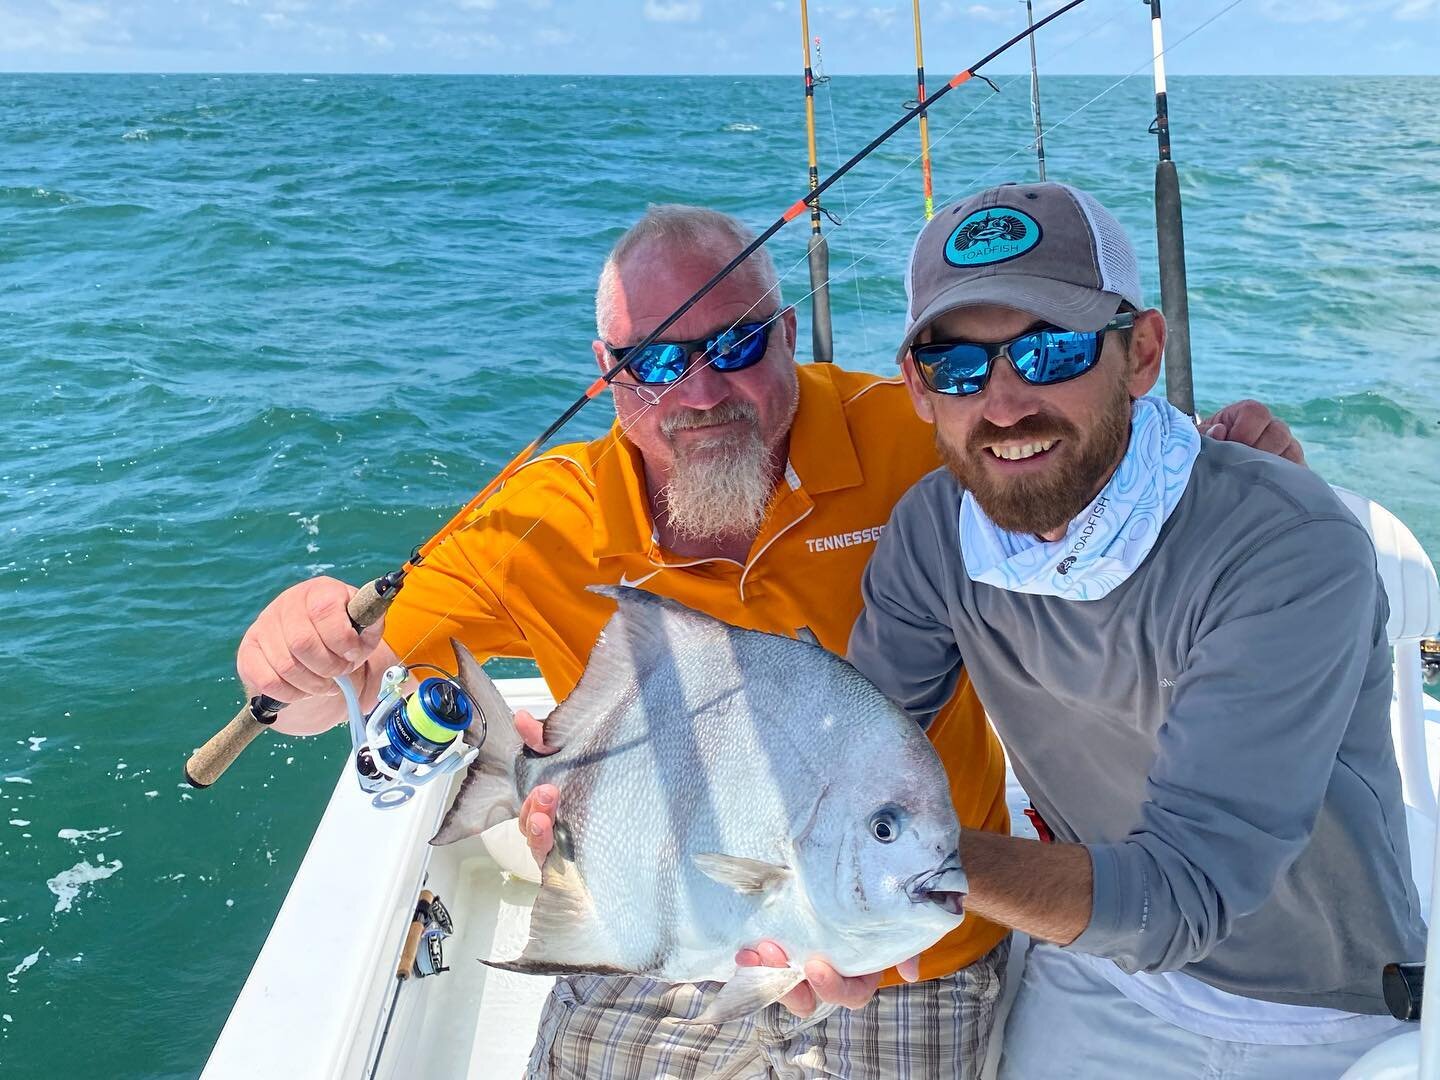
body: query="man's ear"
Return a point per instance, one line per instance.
(920, 397)
(602, 355)
(787, 323)
(1147, 351)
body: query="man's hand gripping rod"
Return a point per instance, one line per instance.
(366, 608)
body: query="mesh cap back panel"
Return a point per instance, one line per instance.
(1119, 271)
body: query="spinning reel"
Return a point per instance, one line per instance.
(407, 740)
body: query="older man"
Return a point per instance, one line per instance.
(741, 485)
(1229, 871)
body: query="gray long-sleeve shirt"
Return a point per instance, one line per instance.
(1215, 730)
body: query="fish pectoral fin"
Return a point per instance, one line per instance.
(743, 875)
(748, 992)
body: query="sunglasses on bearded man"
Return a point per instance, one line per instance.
(662, 362)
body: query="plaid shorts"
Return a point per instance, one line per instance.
(597, 1027)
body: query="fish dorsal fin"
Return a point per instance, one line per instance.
(638, 639)
(750, 876)
(748, 992)
(643, 620)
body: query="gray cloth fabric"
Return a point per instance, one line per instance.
(1069, 1023)
(1215, 730)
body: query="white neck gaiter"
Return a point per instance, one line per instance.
(1106, 543)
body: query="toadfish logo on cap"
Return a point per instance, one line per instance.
(991, 236)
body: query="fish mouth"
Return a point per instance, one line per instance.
(945, 887)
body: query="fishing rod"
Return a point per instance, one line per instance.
(1170, 237)
(1035, 94)
(924, 123)
(819, 252)
(373, 599)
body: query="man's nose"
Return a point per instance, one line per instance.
(1007, 398)
(701, 387)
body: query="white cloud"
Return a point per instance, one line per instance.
(60, 26)
(881, 16)
(377, 40)
(1333, 11)
(552, 37)
(989, 14)
(451, 43)
(986, 13)
(675, 11)
(1286, 11)
(475, 5)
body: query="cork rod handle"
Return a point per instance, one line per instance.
(366, 608)
(412, 937)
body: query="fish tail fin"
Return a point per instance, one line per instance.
(487, 795)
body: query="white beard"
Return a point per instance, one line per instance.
(721, 487)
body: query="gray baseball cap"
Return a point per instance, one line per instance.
(1049, 249)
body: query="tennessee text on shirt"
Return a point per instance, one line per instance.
(836, 541)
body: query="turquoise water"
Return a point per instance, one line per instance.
(265, 327)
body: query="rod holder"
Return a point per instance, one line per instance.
(820, 329)
(1174, 297)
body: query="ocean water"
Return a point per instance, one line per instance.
(258, 328)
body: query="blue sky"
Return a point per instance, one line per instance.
(701, 36)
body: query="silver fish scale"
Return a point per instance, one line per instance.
(689, 736)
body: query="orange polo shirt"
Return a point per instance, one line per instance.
(513, 582)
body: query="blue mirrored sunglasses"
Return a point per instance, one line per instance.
(1040, 357)
(662, 362)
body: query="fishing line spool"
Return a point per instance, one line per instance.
(407, 740)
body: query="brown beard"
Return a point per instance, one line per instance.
(1049, 501)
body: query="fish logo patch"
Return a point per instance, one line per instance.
(1065, 564)
(991, 236)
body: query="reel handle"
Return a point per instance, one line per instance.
(366, 608)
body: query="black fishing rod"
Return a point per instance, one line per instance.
(371, 602)
(794, 211)
(1035, 94)
(1170, 239)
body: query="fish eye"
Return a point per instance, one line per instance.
(885, 826)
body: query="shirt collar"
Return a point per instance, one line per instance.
(822, 451)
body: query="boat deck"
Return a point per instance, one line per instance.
(318, 998)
